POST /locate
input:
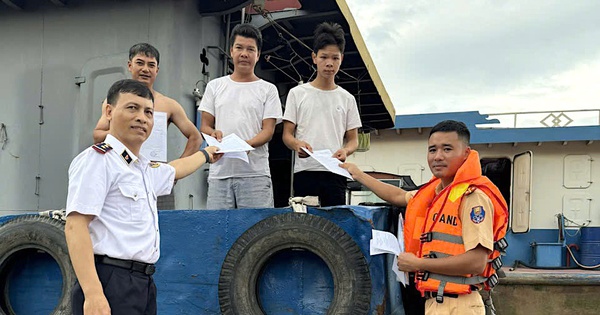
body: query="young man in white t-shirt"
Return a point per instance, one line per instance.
(243, 104)
(321, 115)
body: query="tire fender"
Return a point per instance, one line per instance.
(252, 250)
(40, 233)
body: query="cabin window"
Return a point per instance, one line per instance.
(577, 207)
(577, 171)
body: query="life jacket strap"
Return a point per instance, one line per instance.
(422, 275)
(440, 292)
(492, 281)
(426, 237)
(497, 263)
(439, 254)
(431, 255)
(457, 279)
(501, 245)
(440, 236)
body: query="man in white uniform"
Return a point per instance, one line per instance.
(112, 222)
(245, 105)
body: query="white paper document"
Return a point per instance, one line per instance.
(155, 147)
(386, 243)
(401, 233)
(231, 145)
(332, 164)
(403, 279)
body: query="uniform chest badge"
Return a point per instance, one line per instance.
(154, 164)
(477, 214)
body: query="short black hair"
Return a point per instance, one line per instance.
(145, 49)
(453, 126)
(248, 31)
(327, 34)
(127, 86)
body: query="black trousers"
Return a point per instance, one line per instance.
(414, 303)
(128, 292)
(329, 187)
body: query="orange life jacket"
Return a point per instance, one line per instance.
(440, 240)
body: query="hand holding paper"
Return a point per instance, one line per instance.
(332, 164)
(386, 243)
(232, 145)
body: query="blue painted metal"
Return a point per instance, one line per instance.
(548, 254)
(519, 245)
(6, 218)
(509, 135)
(188, 272)
(194, 244)
(504, 135)
(295, 274)
(470, 118)
(36, 275)
(590, 246)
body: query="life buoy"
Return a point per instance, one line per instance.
(253, 249)
(34, 232)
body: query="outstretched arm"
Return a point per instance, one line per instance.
(102, 126)
(392, 194)
(289, 129)
(189, 164)
(82, 258)
(187, 128)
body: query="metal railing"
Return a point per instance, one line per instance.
(542, 119)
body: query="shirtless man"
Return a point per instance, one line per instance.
(143, 65)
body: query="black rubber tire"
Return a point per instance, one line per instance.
(248, 255)
(34, 232)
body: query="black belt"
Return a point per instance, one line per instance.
(147, 269)
(430, 294)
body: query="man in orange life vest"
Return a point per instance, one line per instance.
(454, 224)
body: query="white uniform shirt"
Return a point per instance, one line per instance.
(122, 197)
(240, 108)
(322, 118)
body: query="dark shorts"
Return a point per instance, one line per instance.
(128, 292)
(329, 187)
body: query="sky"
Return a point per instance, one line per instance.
(494, 56)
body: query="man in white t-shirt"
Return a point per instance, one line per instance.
(245, 105)
(320, 115)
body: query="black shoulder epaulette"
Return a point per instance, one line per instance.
(126, 157)
(102, 147)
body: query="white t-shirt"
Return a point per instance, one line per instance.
(240, 108)
(120, 190)
(322, 117)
